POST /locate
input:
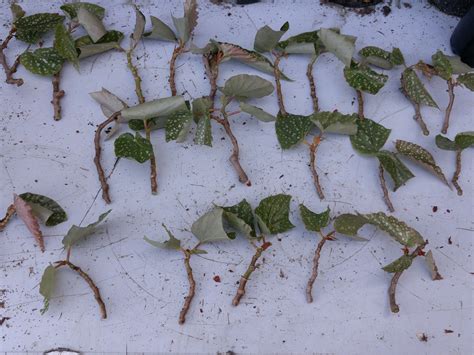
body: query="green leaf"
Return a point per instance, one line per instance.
(464, 140)
(65, 46)
(370, 137)
(335, 122)
(201, 107)
(421, 156)
(109, 103)
(197, 251)
(273, 214)
(414, 89)
(458, 66)
(177, 126)
(48, 281)
(160, 31)
(203, 135)
(91, 23)
(266, 39)
(402, 263)
(152, 123)
(341, 46)
(30, 29)
(303, 43)
(210, 227)
(171, 243)
(136, 148)
(397, 57)
(76, 233)
(139, 27)
(445, 143)
(241, 217)
(314, 221)
(398, 171)
(247, 86)
(365, 79)
(292, 129)
(87, 47)
(349, 225)
(155, 108)
(43, 61)
(41, 204)
(377, 56)
(442, 65)
(467, 80)
(256, 112)
(17, 11)
(71, 9)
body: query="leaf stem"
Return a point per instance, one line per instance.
(8, 215)
(360, 102)
(383, 185)
(57, 95)
(277, 75)
(192, 287)
(9, 71)
(313, 149)
(312, 86)
(314, 272)
(447, 115)
(176, 53)
(457, 172)
(211, 64)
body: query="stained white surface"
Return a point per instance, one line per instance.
(144, 287)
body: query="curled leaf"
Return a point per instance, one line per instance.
(314, 221)
(76, 233)
(109, 103)
(71, 9)
(45, 208)
(171, 243)
(87, 48)
(210, 227)
(402, 263)
(458, 66)
(445, 143)
(25, 212)
(160, 31)
(370, 137)
(303, 43)
(398, 171)
(430, 262)
(335, 122)
(241, 217)
(377, 56)
(48, 281)
(292, 129)
(139, 27)
(91, 23)
(266, 39)
(414, 89)
(340, 45)
(185, 25)
(273, 214)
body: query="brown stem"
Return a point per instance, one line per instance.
(57, 95)
(90, 282)
(211, 64)
(457, 172)
(153, 174)
(314, 273)
(136, 77)
(98, 149)
(192, 287)
(313, 149)
(450, 106)
(419, 118)
(4, 221)
(9, 71)
(360, 102)
(176, 52)
(393, 284)
(383, 185)
(245, 277)
(277, 74)
(312, 86)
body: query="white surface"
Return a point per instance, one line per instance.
(143, 287)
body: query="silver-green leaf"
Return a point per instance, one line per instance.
(160, 31)
(247, 86)
(48, 281)
(266, 39)
(341, 46)
(155, 108)
(172, 243)
(273, 214)
(210, 227)
(88, 48)
(139, 27)
(256, 112)
(76, 233)
(91, 23)
(109, 103)
(241, 217)
(71, 9)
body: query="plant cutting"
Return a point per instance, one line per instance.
(48, 281)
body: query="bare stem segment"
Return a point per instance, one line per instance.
(98, 149)
(383, 185)
(277, 74)
(312, 85)
(457, 172)
(176, 53)
(211, 64)
(419, 118)
(313, 149)
(57, 96)
(251, 268)
(9, 71)
(360, 102)
(192, 287)
(314, 272)
(90, 282)
(447, 115)
(4, 221)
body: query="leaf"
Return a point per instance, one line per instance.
(292, 129)
(65, 45)
(398, 171)
(197, 251)
(154, 108)
(256, 112)
(210, 227)
(421, 156)
(191, 14)
(109, 103)
(445, 143)
(414, 89)
(152, 123)
(464, 140)
(377, 56)
(201, 107)
(458, 66)
(76, 233)
(335, 122)
(402, 263)
(48, 281)
(341, 46)
(365, 79)
(247, 86)
(442, 65)
(30, 29)
(314, 221)
(87, 47)
(397, 57)
(430, 262)
(303, 43)
(91, 23)
(171, 243)
(177, 126)
(467, 80)
(139, 27)
(273, 214)
(56, 214)
(266, 39)
(136, 148)
(17, 11)
(25, 212)
(241, 217)
(370, 137)
(203, 135)
(43, 61)
(160, 31)
(71, 9)
(349, 225)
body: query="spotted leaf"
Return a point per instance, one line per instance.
(414, 89)
(402, 263)
(177, 126)
(65, 46)
(303, 43)
(292, 129)
(398, 171)
(241, 217)
(464, 140)
(370, 137)
(25, 212)
(71, 9)
(377, 56)
(363, 78)
(48, 210)
(273, 214)
(314, 221)
(133, 147)
(30, 29)
(467, 80)
(442, 65)
(335, 122)
(43, 61)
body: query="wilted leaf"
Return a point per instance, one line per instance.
(139, 27)
(256, 112)
(71, 9)
(303, 43)
(55, 214)
(65, 46)
(398, 171)
(91, 23)
(185, 25)
(435, 275)
(109, 103)
(397, 57)
(76, 233)
(314, 221)
(30, 29)
(241, 217)
(377, 56)
(47, 284)
(43, 61)
(335, 122)
(177, 126)
(421, 156)
(341, 46)
(210, 227)
(402, 263)
(363, 78)
(458, 66)
(273, 214)
(414, 89)
(467, 80)
(160, 31)
(266, 39)
(247, 86)
(370, 137)
(155, 108)
(171, 243)
(442, 65)
(445, 143)
(87, 47)
(17, 11)
(197, 251)
(25, 212)
(464, 140)
(292, 129)
(133, 147)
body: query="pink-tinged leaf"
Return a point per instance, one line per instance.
(25, 213)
